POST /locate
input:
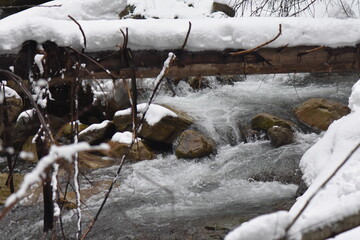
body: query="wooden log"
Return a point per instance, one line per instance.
(148, 63)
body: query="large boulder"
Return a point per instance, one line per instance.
(192, 144)
(97, 133)
(319, 113)
(280, 136)
(265, 121)
(160, 125)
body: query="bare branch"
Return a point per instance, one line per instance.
(30, 5)
(82, 31)
(187, 36)
(256, 48)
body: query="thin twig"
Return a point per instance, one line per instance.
(256, 48)
(310, 51)
(320, 187)
(187, 37)
(29, 5)
(295, 13)
(82, 31)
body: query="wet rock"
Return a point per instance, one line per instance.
(192, 144)
(301, 190)
(280, 136)
(216, 7)
(5, 190)
(265, 121)
(29, 152)
(67, 131)
(198, 82)
(12, 103)
(138, 152)
(319, 113)
(90, 161)
(86, 193)
(286, 178)
(161, 124)
(97, 133)
(26, 125)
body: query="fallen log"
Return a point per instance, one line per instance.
(59, 62)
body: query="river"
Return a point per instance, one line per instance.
(168, 198)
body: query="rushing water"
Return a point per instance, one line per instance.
(168, 198)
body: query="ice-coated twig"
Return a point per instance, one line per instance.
(158, 80)
(54, 185)
(78, 196)
(38, 173)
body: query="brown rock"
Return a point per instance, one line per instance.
(192, 144)
(139, 151)
(320, 113)
(280, 136)
(166, 130)
(265, 121)
(97, 187)
(223, 8)
(14, 104)
(90, 161)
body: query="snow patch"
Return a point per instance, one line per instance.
(95, 126)
(154, 114)
(123, 137)
(271, 226)
(26, 115)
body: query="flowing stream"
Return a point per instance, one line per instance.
(168, 198)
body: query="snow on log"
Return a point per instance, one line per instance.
(302, 45)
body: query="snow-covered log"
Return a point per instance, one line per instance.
(148, 63)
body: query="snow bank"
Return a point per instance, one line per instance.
(172, 8)
(153, 115)
(340, 197)
(265, 227)
(79, 9)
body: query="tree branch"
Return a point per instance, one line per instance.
(256, 48)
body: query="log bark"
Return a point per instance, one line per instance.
(148, 63)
